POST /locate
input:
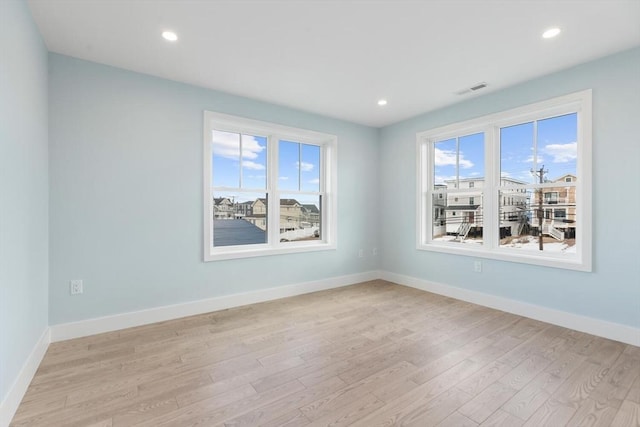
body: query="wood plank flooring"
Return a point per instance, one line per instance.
(372, 354)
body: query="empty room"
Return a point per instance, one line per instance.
(319, 213)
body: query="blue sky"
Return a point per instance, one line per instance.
(299, 167)
(470, 160)
(556, 150)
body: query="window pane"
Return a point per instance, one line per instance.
(289, 159)
(239, 219)
(225, 149)
(300, 218)
(310, 168)
(445, 161)
(557, 146)
(254, 162)
(471, 157)
(517, 154)
(524, 212)
(457, 217)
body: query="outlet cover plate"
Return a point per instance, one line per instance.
(75, 287)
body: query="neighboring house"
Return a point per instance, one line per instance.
(243, 209)
(464, 209)
(293, 215)
(439, 207)
(223, 208)
(258, 215)
(312, 214)
(558, 209)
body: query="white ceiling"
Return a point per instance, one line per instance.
(337, 58)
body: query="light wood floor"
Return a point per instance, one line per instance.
(365, 355)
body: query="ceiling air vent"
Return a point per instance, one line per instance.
(473, 88)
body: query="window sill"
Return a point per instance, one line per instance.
(509, 255)
(237, 253)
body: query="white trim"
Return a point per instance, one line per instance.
(603, 328)
(274, 133)
(257, 250)
(590, 325)
(98, 325)
(9, 405)
(578, 102)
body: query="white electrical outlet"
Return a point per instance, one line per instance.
(75, 287)
(361, 253)
(374, 251)
(477, 266)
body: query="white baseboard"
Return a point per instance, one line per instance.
(98, 325)
(9, 406)
(602, 328)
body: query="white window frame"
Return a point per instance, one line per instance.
(580, 103)
(274, 133)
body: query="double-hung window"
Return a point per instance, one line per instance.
(514, 186)
(268, 189)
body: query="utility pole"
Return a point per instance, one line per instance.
(540, 211)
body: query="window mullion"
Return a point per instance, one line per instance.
(535, 146)
(457, 162)
(491, 220)
(240, 160)
(425, 168)
(273, 195)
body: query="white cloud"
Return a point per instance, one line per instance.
(283, 178)
(562, 153)
(448, 158)
(539, 159)
(304, 166)
(227, 145)
(314, 181)
(248, 164)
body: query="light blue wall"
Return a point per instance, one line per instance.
(24, 191)
(126, 194)
(612, 291)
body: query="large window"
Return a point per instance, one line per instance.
(269, 189)
(514, 185)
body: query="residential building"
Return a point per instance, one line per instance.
(293, 215)
(243, 209)
(223, 208)
(439, 211)
(311, 214)
(464, 209)
(558, 209)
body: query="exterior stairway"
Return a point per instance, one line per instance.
(553, 232)
(463, 231)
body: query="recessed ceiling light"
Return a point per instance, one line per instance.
(170, 35)
(551, 33)
(382, 102)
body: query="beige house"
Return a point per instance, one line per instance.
(223, 208)
(293, 215)
(558, 209)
